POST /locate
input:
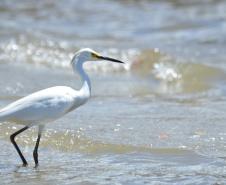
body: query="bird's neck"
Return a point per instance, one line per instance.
(86, 85)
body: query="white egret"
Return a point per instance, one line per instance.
(47, 105)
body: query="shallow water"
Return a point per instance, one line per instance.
(158, 119)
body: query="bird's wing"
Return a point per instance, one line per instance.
(45, 105)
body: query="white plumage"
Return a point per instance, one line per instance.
(43, 106)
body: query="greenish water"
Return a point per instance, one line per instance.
(159, 119)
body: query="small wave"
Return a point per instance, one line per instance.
(166, 74)
(176, 75)
(70, 140)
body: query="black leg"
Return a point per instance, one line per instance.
(35, 152)
(12, 138)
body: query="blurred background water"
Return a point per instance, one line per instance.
(159, 119)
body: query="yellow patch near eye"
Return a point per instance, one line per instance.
(95, 55)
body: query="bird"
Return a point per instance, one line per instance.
(48, 105)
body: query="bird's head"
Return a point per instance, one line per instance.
(88, 54)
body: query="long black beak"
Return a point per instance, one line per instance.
(110, 59)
